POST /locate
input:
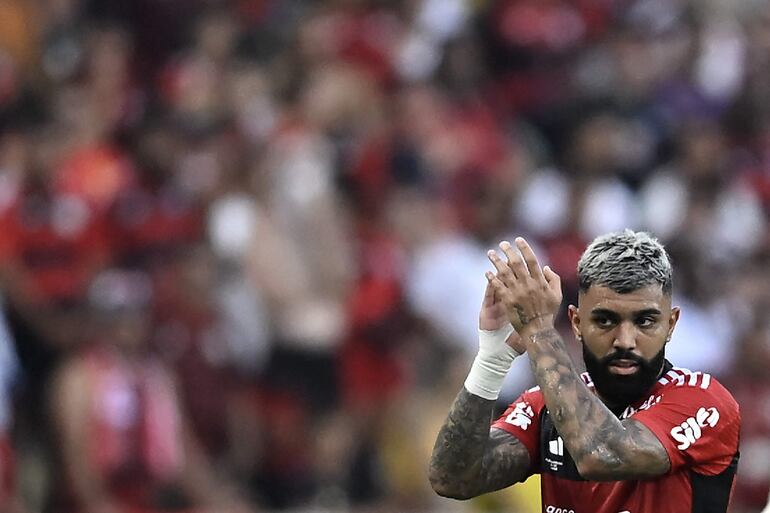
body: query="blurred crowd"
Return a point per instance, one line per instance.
(242, 242)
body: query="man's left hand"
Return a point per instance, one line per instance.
(531, 294)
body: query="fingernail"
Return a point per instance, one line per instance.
(520, 240)
(491, 252)
(505, 244)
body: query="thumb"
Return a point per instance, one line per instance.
(489, 292)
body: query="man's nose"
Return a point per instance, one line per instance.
(625, 337)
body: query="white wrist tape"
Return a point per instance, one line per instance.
(491, 364)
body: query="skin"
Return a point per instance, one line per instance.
(468, 459)
(641, 321)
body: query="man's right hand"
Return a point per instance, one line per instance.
(498, 346)
(493, 316)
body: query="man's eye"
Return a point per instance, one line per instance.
(603, 322)
(646, 322)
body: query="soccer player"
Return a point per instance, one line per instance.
(632, 435)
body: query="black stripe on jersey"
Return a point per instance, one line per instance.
(554, 457)
(711, 494)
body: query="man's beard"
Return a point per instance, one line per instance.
(621, 390)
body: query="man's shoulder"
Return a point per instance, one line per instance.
(678, 377)
(697, 385)
(683, 377)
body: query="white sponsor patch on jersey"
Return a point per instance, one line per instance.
(521, 415)
(690, 431)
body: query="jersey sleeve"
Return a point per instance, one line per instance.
(522, 420)
(697, 424)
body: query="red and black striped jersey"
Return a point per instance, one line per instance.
(691, 413)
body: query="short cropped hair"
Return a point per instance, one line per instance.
(625, 261)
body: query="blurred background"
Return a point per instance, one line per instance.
(242, 242)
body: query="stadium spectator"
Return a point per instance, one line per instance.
(125, 441)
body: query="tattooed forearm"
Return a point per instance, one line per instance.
(467, 459)
(603, 447)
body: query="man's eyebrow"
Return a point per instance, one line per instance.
(647, 311)
(613, 313)
(605, 311)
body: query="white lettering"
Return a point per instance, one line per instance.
(554, 509)
(521, 416)
(691, 430)
(646, 405)
(696, 431)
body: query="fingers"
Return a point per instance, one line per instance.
(533, 266)
(498, 287)
(553, 279)
(522, 261)
(489, 293)
(504, 271)
(515, 262)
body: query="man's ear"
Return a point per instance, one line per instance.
(574, 319)
(675, 312)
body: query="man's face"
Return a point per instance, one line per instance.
(624, 338)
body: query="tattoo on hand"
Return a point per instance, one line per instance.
(523, 317)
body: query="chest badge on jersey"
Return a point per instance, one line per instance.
(556, 450)
(554, 455)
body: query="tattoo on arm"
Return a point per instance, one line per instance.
(468, 459)
(603, 447)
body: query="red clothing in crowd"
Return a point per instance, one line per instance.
(57, 239)
(7, 470)
(134, 427)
